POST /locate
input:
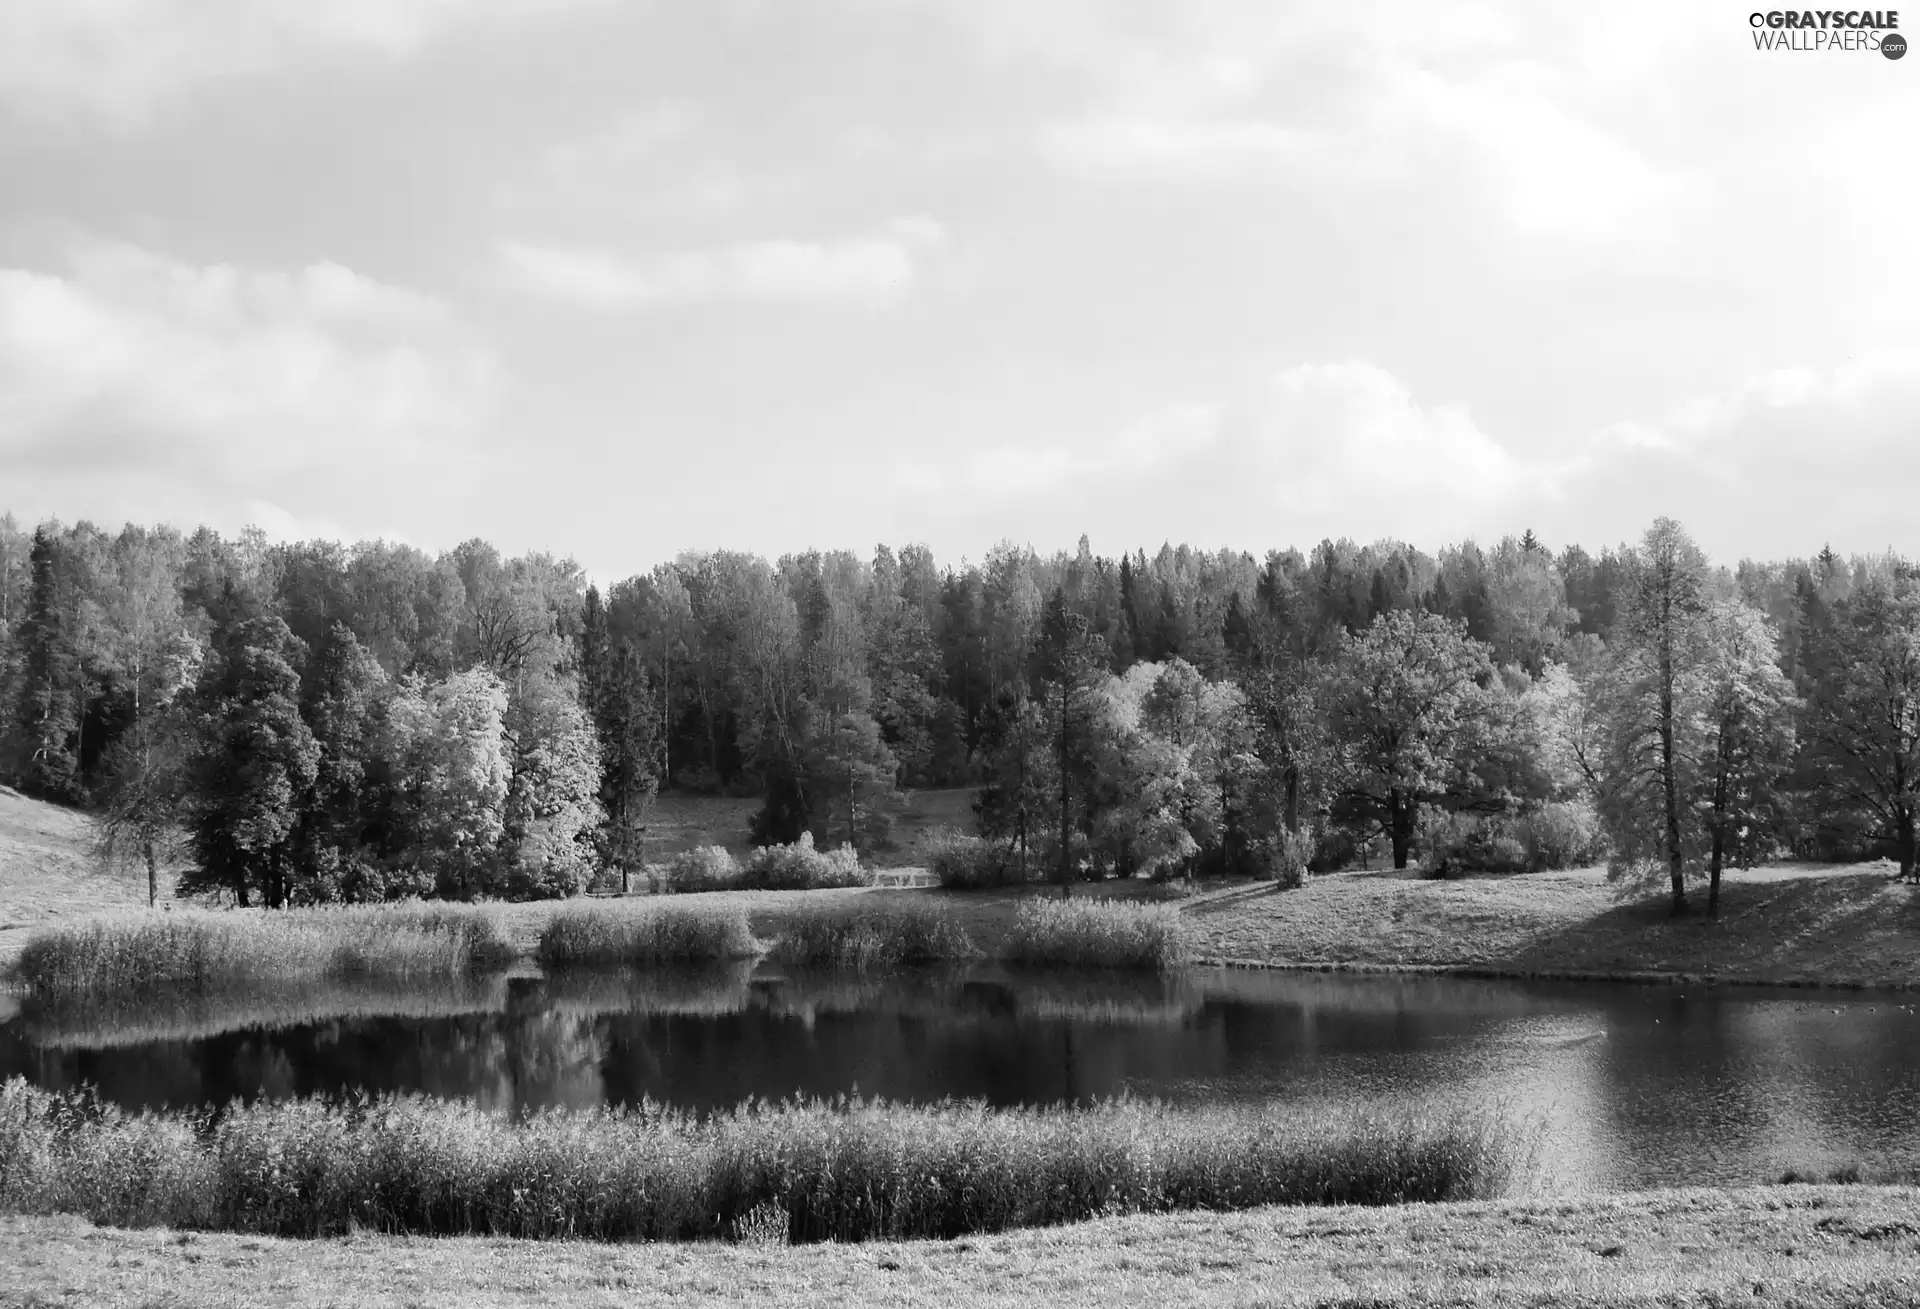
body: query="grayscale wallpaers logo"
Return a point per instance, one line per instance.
(1829, 30)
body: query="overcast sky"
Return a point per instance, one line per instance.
(623, 279)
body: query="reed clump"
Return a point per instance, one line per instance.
(845, 1170)
(622, 932)
(131, 952)
(1100, 934)
(883, 938)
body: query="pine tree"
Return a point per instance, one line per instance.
(47, 717)
(255, 761)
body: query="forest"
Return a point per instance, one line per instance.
(313, 722)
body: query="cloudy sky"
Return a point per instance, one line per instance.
(622, 279)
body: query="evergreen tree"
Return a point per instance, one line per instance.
(47, 719)
(255, 761)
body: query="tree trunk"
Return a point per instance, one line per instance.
(1669, 780)
(1401, 830)
(1713, 870)
(153, 873)
(1066, 807)
(1907, 844)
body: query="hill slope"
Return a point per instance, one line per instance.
(48, 870)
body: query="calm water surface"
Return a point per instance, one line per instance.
(1639, 1086)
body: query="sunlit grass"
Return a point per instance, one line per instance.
(845, 1170)
(625, 932)
(1099, 933)
(132, 952)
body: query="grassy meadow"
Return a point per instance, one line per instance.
(1791, 1247)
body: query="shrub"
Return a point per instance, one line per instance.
(625, 932)
(199, 948)
(1102, 933)
(967, 863)
(846, 1170)
(905, 934)
(800, 867)
(703, 868)
(1456, 842)
(1287, 854)
(1559, 836)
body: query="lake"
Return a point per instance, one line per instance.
(1638, 1086)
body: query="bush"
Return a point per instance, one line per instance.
(907, 934)
(800, 867)
(703, 868)
(1287, 854)
(838, 1171)
(1559, 836)
(198, 948)
(1101, 933)
(626, 932)
(1451, 843)
(967, 863)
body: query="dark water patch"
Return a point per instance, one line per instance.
(1640, 1086)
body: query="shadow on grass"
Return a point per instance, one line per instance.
(1802, 929)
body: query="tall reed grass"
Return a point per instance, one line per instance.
(903, 934)
(129, 952)
(623, 932)
(845, 1170)
(1099, 933)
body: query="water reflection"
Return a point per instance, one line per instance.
(1640, 1086)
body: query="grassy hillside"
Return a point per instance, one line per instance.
(1785, 923)
(1782, 1246)
(48, 871)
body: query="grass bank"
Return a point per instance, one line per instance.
(629, 932)
(847, 1171)
(1806, 925)
(1798, 1247)
(138, 951)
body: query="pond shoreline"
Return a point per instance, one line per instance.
(1480, 972)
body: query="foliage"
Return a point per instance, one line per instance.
(1416, 716)
(846, 1170)
(703, 868)
(1099, 933)
(622, 932)
(254, 762)
(800, 867)
(1861, 767)
(479, 725)
(963, 862)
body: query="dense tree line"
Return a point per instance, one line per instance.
(325, 722)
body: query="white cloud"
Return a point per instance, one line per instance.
(1332, 449)
(874, 268)
(1533, 112)
(119, 60)
(648, 162)
(133, 378)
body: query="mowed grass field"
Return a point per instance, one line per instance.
(1770, 1246)
(1792, 923)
